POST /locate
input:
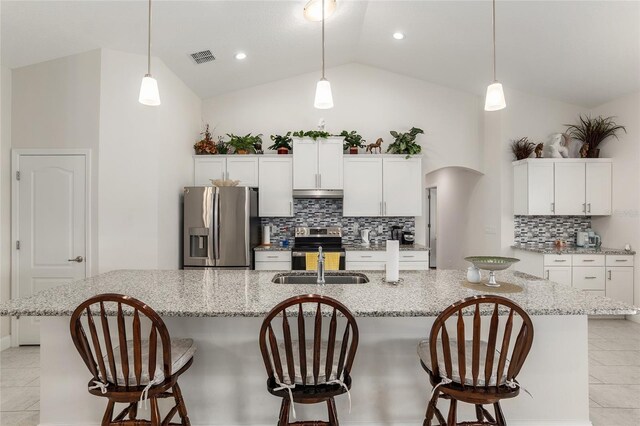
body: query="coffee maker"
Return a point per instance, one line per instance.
(408, 238)
(396, 232)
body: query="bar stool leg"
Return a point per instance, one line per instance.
(182, 408)
(133, 411)
(108, 414)
(499, 415)
(431, 407)
(155, 411)
(479, 414)
(284, 412)
(333, 413)
(453, 415)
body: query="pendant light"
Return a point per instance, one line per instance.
(494, 99)
(149, 94)
(324, 98)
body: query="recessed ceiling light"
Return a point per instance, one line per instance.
(313, 10)
(240, 56)
(398, 36)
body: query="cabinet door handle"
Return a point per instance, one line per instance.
(291, 208)
(385, 208)
(584, 208)
(380, 208)
(319, 180)
(588, 207)
(553, 207)
(609, 274)
(547, 274)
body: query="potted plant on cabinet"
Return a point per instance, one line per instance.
(592, 131)
(206, 145)
(221, 146)
(405, 143)
(244, 144)
(281, 143)
(313, 134)
(352, 141)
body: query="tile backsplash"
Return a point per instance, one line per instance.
(548, 229)
(328, 212)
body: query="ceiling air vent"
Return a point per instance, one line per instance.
(203, 57)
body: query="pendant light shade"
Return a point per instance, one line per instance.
(149, 94)
(313, 10)
(324, 98)
(494, 100)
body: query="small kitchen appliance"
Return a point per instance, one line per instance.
(396, 232)
(309, 240)
(408, 238)
(364, 236)
(582, 238)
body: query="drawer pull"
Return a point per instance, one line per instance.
(272, 257)
(408, 256)
(366, 256)
(560, 260)
(590, 278)
(622, 260)
(588, 260)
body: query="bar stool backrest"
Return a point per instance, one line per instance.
(315, 362)
(93, 352)
(512, 354)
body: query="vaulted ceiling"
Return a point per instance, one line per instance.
(581, 52)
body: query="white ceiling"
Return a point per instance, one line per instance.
(582, 52)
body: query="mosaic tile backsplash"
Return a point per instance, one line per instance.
(548, 229)
(328, 212)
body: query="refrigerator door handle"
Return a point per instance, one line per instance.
(216, 224)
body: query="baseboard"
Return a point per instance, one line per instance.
(5, 342)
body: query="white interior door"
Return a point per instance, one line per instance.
(51, 229)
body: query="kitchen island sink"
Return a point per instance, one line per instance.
(312, 278)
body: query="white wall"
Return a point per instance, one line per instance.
(145, 160)
(623, 226)
(367, 99)
(56, 104)
(5, 193)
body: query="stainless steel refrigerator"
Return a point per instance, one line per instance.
(221, 227)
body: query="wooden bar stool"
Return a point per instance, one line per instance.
(316, 369)
(129, 370)
(476, 371)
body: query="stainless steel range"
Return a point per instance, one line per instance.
(310, 240)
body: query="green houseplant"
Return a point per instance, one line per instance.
(244, 144)
(221, 146)
(313, 134)
(405, 143)
(282, 143)
(592, 131)
(352, 141)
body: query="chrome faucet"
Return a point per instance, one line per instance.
(320, 267)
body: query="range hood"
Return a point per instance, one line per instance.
(317, 193)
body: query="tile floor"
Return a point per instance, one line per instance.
(614, 380)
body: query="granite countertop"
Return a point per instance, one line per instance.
(352, 247)
(571, 250)
(243, 293)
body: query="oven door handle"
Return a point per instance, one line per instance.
(304, 254)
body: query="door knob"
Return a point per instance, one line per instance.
(78, 259)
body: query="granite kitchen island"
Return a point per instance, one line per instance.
(222, 311)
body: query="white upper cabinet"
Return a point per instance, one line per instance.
(567, 187)
(317, 164)
(207, 168)
(276, 184)
(402, 186)
(330, 154)
(362, 186)
(569, 181)
(598, 188)
(236, 167)
(244, 169)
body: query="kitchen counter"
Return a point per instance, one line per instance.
(240, 293)
(352, 247)
(571, 250)
(222, 310)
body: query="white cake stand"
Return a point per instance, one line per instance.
(492, 264)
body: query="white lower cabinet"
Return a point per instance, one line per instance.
(377, 260)
(596, 274)
(619, 284)
(273, 260)
(558, 274)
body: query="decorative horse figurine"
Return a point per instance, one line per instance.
(372, 146)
